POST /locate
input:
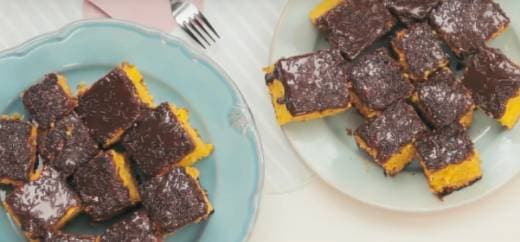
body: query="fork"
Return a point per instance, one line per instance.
(193, 21)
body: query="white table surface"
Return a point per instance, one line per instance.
(296, 205)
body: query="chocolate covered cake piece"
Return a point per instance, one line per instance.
(377, 83)
(352, 25)
(49, 100)
(175, 199)
(58, 236)
(494, 81)
(67, 145)
(112, 104)
(46, 203)
(389, 138)
(449, 160)
(443, 100)
(420, 51)
(106, 186)
(135, 228)
(466, 24)
(411, 11)
(163, 138)
(17, 150)
(308, 86)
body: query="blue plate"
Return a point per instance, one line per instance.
(86, 50)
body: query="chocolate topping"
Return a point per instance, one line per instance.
(493, 80)
(443, 99)
(136, 228)
(396, 127)
(421, 50)
(442, 147)
(110, 105)
(17, 149)
(355, 24)
(67, 145)
(377, 80)
(466, 24)
(410, 11)
(157, 140)
(100, 188)
(66, 237)
(47, 102)
(174, 200)
(40, 204)
(313, 82)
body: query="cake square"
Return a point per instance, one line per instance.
(443, 100)
(175, 199)
(106, 185)
(377, 83)
(162, 138)
(136, 227)
(420, 51)
(112, 104)
(17, 150)
(411, 11)
(449, 160)
(466, 24)
(45, 203)
(67, 145)
(58, 236)
(494, 81)
(389, 138)
(308, 86)
(49, 100)
(352, 25)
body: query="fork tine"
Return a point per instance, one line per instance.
(201, 26)
(188, 31)
(194, 28)
(201, 16)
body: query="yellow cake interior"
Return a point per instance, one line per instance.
(467, 118)
(125, 173)
(362, 108)
(322, 8)
(137, 80)
(512, 112)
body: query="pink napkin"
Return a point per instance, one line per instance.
(151, 13)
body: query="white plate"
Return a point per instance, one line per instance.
(334, 156)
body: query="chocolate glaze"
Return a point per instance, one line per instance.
(445, 146)
(409, 11)
(422, 49)
(17, 151)
(157, 140)
(67, 145)
(100, 188)
(466, 24)
(443, 99)
(40, 204)
(396, 127)
(312, 82)
(136, 228)
(493, 80)
(110, 104)
(174, 200)
(47, 102)
(378, 81)
(356, 24)
(66, 237)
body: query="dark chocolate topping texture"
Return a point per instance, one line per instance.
(157, 140)
(410, 11)
(355, 24)
(396, 127)
(313, 82)
(493, 80)
(47, 102)
(100, 188)
(422, 49)
(109, 105)
(378, 81)
(17, 150)
(442, 147)
(66, 237)
(443, 99)
(40, 204)
(466, 24)
(67, 145)
(136, 228)
(174, 200)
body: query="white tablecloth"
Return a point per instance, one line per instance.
(296, 205)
